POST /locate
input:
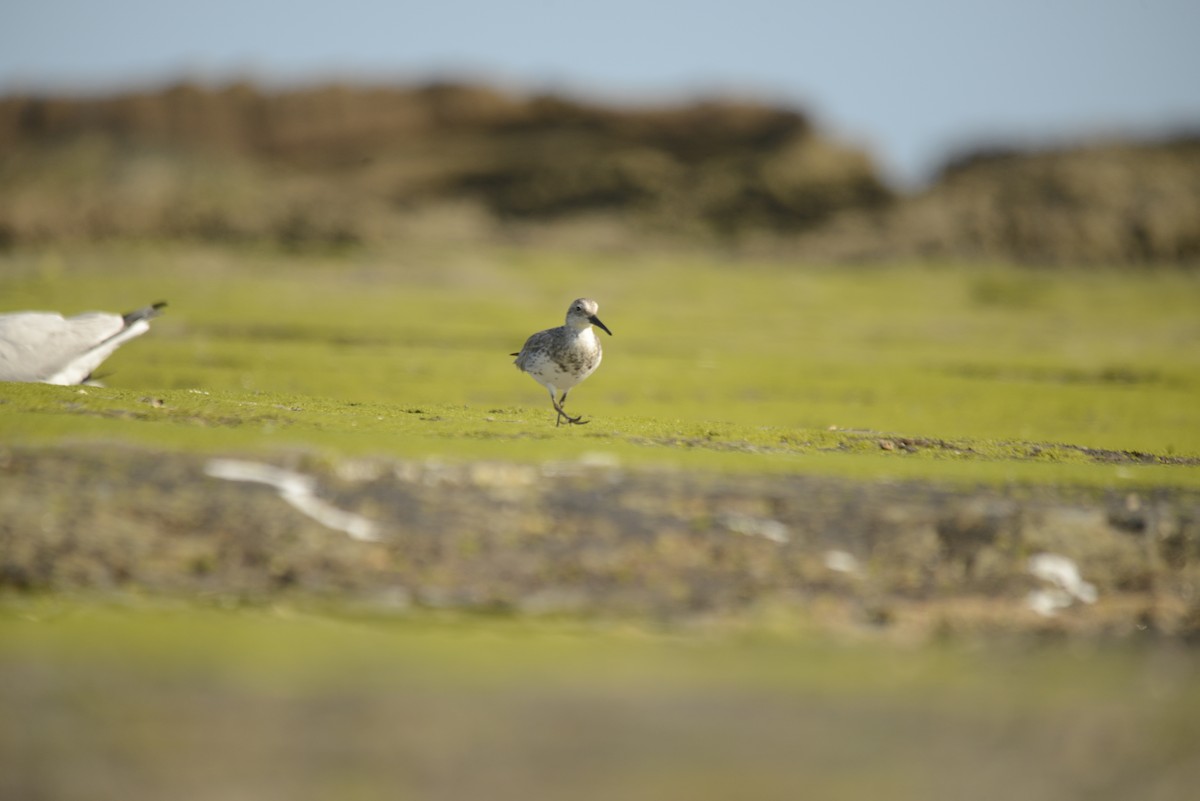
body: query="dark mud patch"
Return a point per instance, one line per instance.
(860, 440)
(596, 539)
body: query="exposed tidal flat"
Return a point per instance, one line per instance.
(790, 552)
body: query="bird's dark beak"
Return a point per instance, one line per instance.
(594, 320)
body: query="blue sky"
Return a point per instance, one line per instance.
(911, 80)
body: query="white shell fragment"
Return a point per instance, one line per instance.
(841, 562)
(766, 528)
(1067, 585)
(297, 490)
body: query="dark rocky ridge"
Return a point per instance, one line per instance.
(342, 164)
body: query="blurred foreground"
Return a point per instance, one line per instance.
(904, 561)
(141, 703)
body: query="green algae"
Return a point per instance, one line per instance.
(983, 374)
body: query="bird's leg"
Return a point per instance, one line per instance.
(557, 408)
(562, 414)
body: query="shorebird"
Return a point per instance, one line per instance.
(560, 358)
(49, 348)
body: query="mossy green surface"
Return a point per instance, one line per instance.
(716, 364)
(303, 645)
(145, 702)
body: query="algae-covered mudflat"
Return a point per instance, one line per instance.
(317, 538)
(719, 364)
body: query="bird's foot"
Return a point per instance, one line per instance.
(574, 421)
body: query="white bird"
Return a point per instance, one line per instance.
(560, 358)
(49, 348)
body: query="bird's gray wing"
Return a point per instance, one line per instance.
(536, 343)
(45, 346)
